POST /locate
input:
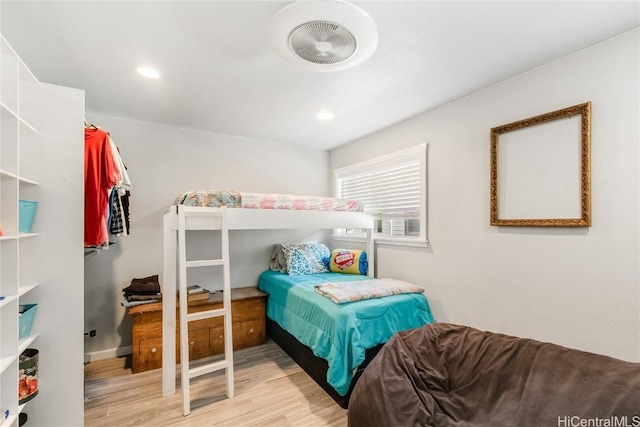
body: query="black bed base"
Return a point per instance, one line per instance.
(314, 366)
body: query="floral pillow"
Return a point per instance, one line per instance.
(306, 258)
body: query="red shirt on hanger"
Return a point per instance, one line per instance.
(101, 174)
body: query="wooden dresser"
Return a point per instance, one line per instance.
(206, 337)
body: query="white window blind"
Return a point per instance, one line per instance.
(393, 188)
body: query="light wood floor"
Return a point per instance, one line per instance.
(270, 390)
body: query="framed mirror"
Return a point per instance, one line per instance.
(540, 170)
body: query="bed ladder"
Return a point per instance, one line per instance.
(220, 217)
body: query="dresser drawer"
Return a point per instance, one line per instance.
(150, 350)
(245, 334)
(249, 334)
(248, 309)
(248, 316)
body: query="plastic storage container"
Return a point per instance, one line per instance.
(27, 212)
(25, 321)
(28, 375)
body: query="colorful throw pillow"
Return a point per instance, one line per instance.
(306, 258)
(277, 262)
(350, 261)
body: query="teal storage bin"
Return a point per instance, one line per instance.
(27, 212)
(25, 321)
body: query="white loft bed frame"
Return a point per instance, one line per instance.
(237, 219)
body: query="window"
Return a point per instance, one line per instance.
(394, 189)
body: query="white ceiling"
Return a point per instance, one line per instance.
(220, 75)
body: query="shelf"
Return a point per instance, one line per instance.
(25, 235)
(27, 181)
(28, 126)
(22, 290)
(9, 421)
(17, 236)
(9, 110)
(6, 174)
(21, 120)
(7, 300)
(21, 179)
(12, 418)
(5, 362)
(25, 343)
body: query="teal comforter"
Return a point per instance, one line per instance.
(339, 333)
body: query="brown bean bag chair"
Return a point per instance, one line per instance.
(449, 375)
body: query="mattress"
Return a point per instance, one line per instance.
(236, 199)
(339, 333)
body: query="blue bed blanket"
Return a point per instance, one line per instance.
(339, 333)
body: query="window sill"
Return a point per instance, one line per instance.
(414, 243)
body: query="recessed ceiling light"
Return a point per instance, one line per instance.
(148, 72)
(325, 115)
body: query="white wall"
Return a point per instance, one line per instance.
(59, 268)
(163, 161)
(578, 287)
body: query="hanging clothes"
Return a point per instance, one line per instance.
(125, 183)
(119, 202)
(101, 174)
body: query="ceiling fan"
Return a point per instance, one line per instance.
(323, 35)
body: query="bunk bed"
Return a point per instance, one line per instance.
(257, 212)
(252, 211)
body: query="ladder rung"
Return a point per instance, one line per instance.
(206, 314)
(197, 210)
(210, 367)
(204, 262)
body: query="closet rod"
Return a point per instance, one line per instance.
(90, 252)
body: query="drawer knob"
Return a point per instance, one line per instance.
(192, 343)
(153, 350)
(220, 336)
(251, 330)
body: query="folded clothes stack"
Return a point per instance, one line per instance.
(142, 291)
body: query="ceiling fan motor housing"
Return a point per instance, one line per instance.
(323, 35)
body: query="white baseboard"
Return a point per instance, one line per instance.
(108, 354)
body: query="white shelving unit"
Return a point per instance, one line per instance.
(38, 124)
(14, 129)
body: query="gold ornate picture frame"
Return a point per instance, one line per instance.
(541, 170)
